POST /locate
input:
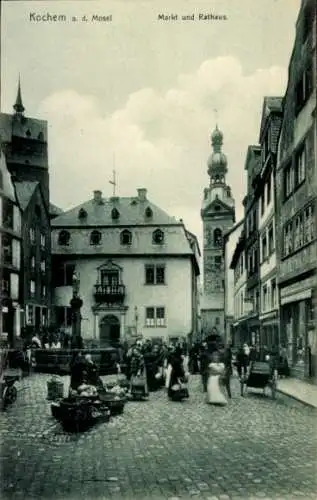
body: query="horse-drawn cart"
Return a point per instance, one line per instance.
(261, 375)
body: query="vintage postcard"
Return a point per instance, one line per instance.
(158, 249)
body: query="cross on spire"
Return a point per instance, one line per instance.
(114, 177)
(216, 116)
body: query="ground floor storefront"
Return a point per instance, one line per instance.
(270, 331)
(246, 331)
(297, 327)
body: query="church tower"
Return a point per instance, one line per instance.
(26, 146)
(218, 216)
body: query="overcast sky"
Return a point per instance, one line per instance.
(143, 91)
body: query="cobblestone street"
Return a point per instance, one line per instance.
(253, 448)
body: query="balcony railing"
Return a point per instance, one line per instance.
(110, 294)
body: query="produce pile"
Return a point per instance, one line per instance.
(84, 390)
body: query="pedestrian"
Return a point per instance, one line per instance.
(77, 370)
(138, 380)
(242, 362)
(227, 360)
(215, 393)
(204, 360)
(176, 382)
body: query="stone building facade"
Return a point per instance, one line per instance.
(10, 257)
(296, 201)
(218, 216)
(25, 146)
(138, 270)
(269, 300)
(231, 239)
(252, 259)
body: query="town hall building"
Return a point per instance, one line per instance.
(138, 269)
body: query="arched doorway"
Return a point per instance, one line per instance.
(109, 331)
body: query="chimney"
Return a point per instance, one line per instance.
(98, 196)
(142, 194)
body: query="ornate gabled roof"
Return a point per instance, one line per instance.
(270, 105)
(24, 191)
(131, 210)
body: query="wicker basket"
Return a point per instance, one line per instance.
(55, 389)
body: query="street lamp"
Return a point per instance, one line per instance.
(76, 304)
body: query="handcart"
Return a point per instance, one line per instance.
(261, 375)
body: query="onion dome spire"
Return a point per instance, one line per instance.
(217, 161)
(18, 106)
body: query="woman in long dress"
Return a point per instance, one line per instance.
(176, 377)
(215, 388)
(138, 380)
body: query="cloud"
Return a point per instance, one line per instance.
(159, 141)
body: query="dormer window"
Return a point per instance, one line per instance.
(28, 133)
(64, 238)
(126, 237)
(40, 136)
(217, 208)
(148, 213)
(158, 237)
(82, 214)
(115, 215)
(95, 238)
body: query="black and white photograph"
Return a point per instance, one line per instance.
(158, 249)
